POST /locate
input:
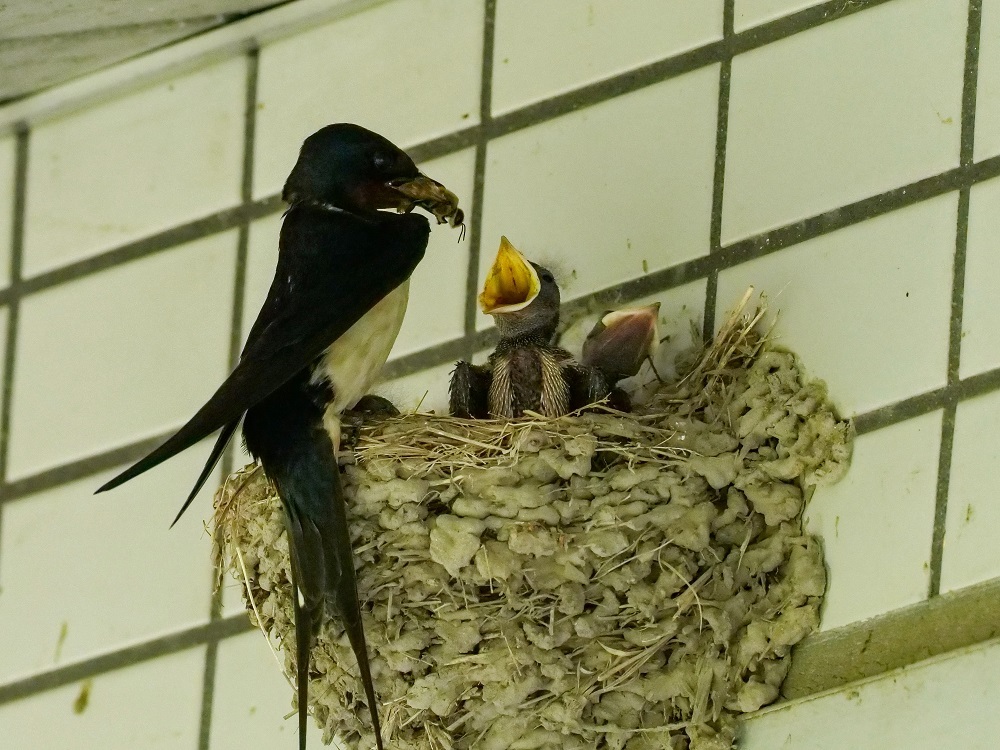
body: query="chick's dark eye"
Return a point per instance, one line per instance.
(548, 277)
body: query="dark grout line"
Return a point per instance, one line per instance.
(711, 301)
(728, 20)
(208, 694)
(924, 403)
(969, 82)
(966, 149)
(18, 207)
(85, 467)
(14, 292)
(609, 88)
(719, 171)
(900, 411)
(221, 221)
(193, 637)
(439, 354)
(941, 499)
(445, 145)
(956, 312)
(479, 177)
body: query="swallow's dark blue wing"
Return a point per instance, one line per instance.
(332, 269)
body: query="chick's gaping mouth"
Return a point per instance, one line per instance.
(511, 284)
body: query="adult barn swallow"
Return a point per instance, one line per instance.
(330, 318)
(526, 371)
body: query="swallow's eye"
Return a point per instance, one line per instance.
(547, 277)
(382, 161)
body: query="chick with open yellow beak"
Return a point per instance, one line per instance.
(526, 372)
(512, 283)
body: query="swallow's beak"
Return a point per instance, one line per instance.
(512, 283)
(430, 195)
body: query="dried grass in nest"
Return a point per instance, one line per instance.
(601, 580)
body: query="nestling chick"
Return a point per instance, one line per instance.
(526, 372)
(619, 344)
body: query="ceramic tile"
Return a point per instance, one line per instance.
(980, 314)
(876, 523)
(679, 309)
(135, 166)
(987, 141)
(252, 699)
(945, 702)
(542, 49)
(7, 166)
(973, 509)
(436, 310)
(3, 348)
(749, 13)
(857, 309)
(842, 112)
(114, 571)
(134, 350)
(598, 209)
(427, 389)
(262, 256)
(155, 705)
(408, 69)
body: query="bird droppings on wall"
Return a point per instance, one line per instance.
(597, 580)
(83, 697)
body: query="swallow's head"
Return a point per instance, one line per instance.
(349, 167)
(522, 296)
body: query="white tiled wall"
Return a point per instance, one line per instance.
(942, 703)
(371, 68)
(606, 36)
(133, 166)
(842, 112)
(988, 99)
(580, 196)
(82, 576)
(95, 356)
(750, 13)
(7, 146)
(974, 499)
(981, 317)
(252, 699)
(885, 507)
(863, 278)
(155, 705)
(614, 187)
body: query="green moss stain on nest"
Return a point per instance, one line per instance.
(595, 581)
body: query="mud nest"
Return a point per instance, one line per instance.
(599, 580)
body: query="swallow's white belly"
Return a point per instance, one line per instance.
(352, 363)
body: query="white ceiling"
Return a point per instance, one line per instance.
(45, 42)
